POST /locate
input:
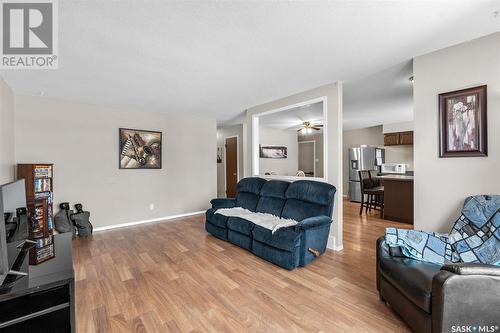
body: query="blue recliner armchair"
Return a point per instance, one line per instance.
(308, 202)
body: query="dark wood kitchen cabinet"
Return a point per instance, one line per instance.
(398, 138)
(398, 197)
(391, 139)
(406, 138)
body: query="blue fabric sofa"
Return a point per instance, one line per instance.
(308, 202)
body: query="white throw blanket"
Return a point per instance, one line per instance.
(268, 221)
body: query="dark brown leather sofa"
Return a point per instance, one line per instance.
(433, 298)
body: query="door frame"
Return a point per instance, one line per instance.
(314, 154)
(237, 160)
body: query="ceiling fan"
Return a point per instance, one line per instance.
(307, 127)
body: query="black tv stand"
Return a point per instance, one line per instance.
(39, 298)
(16, 272)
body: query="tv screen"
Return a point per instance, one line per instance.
(12, 197)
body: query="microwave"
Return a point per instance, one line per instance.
(393, 168)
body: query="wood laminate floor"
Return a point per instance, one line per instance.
(174, 277)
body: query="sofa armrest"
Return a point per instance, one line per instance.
(467, 298)
(472, 269)
(312, 222)
(223, 203)
(314, 232)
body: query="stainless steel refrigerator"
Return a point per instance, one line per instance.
(362, 158)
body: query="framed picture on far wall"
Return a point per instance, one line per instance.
(139, 149)
(462, 118)
(279, 152)
(219, 154)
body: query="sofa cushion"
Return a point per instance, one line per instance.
(216, 231)
(247, 200)
(311, 191)
(244, 241)
(216, 219)
(285, 239)
(272, 197)
(272, 206)
(274, 189)
(250, 185)
(413, 278)
(286, 259)
(305, 198)
(241, 225)
(248, 191)
(299, 210)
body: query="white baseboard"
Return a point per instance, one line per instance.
(158, 219)
(332, 244)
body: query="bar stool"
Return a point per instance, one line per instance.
(373, 191)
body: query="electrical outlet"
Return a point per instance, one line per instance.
(151, 206)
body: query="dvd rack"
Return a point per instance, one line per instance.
(43, 250)
(39, 182)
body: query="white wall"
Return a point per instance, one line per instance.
(400, 154)
(398, 127)
(441, 184)
(7, 158)
(333, 144)
(82, 142)
(276, 137)
(222, 133)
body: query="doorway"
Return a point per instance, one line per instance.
(307, 158)
(231, 163)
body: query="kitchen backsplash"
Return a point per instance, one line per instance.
(400, 154)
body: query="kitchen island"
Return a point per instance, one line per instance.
(398, 197)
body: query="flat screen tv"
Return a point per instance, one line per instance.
(12, 197)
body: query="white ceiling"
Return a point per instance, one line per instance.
(292, 119)
(382, 98)
(219, 58)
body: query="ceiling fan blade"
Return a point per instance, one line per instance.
(300, 129)
(315, 128)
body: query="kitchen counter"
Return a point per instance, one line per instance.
(398, 197)
(403, 178)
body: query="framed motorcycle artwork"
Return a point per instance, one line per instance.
(140, 149)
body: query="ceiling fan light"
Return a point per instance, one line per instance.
(308, 130)
(303, 130)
